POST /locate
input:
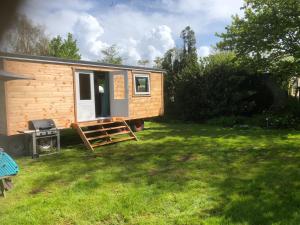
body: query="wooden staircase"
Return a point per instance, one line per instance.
(97, 133)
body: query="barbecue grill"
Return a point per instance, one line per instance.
(45, 137)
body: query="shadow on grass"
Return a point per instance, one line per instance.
(255, 173)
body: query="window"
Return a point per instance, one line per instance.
(142, 84)
(85, 86)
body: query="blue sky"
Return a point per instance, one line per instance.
(140, 29)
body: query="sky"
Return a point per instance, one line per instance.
(141, 29)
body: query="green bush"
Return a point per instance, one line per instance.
(266, 120)
(219, 87)
(280, 121)
(286, 117)
(229, 121)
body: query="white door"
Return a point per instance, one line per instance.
(85, 97)
(118, 92)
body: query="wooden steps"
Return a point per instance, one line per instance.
(103, 132)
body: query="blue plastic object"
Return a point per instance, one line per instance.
(8, 167)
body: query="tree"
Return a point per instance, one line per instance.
(267, 37)
(182, 67)
(64, 48)
(111, 55)
(189, 45)
(189, 66)
(170, 63)
(143, 62)
(25, 38)
(158, 62)
(228, 89)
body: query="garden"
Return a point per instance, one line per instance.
(177, 173)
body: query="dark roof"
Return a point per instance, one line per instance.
(6, 55)
(12, 76)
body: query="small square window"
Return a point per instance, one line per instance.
(142, 84)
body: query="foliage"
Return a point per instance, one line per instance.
(158, 62)
(229, 89)
(267, 37)
(189, 52)
(143, 62)
(182, 67)
(170, 63)
(286, 118)
(280, 121)
(111, 55)
(217, 86)
(220, 84)
(64, 48)
(228, 121)
(176, 173)
(24, 37)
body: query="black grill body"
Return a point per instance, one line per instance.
(45, 124)
(45, 137)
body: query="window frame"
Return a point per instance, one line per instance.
(88, 77)
(143, 75)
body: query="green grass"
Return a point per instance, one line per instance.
(176, 174)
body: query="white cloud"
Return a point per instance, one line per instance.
(214, 9)
(141, 29)
(204, 51)
(88, 32)
(153, 44)
(58, 16)
(71, 16)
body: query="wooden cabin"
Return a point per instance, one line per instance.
(74, 92)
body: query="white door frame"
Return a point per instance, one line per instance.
(85, 109)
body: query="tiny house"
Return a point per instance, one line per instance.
(70, 92)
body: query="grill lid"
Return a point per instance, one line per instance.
(44, 124)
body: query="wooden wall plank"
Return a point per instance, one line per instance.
(51, 95)
(146, 106)
(119, 87)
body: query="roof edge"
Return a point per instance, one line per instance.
(56, 60)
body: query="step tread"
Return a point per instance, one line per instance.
(97, 137)
(96, 123)
(107, 135)
(104, 129)
(112, 141)
(119, 133)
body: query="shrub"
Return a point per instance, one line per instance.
(280, 121)
(265, 120)
(229, 121)
(219, 87)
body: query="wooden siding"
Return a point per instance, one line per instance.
(2, 108)
(119, 87)
(148, 105)
(51, 94)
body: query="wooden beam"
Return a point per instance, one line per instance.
(83, 137)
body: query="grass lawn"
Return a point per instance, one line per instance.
(176, 174)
